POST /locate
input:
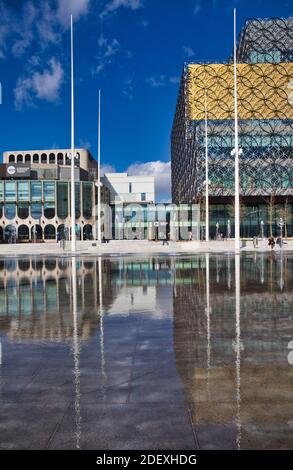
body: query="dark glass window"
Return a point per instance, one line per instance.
(49, 199)
(23, 233)
(36, 191)
(22, 191)
(10, 191)
(87, 200)
(62, 200)
(36, 210)
(49, 232)
(23, 210)
(10, 211)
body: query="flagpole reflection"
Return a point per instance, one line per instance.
(76, 355)
(238, 351)
(101, 311)
(208, 321)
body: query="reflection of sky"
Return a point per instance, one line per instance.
(152, 300)
(225, 344)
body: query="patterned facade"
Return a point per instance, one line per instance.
(265, 113)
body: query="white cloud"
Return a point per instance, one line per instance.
(40, 22)
(108, 48)
(188, 51)
(114, 5)
(156, 81)
(77, 8)
(174, 80)
(197, 7)
(6, 28)
(25, 29)
(45, 85)
(145, 24)
(162, 173)
(107, 169)
(128, 87)
(160, 170)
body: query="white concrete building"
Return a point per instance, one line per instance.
(127, 189)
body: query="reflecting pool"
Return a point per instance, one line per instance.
(162, 352)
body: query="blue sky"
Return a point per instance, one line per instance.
(133, 50)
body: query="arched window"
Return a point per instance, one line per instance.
(50, 232)
(36, 158)
(87, 232)
(27, 158)
(24, 265)
(23, 233)
(50, 264)
(63, 231)
(10, 233)
(60, 159)
(11, 158)
(37, 264)
(44, 158)
(10, 211)
(36, 210)
(36, 233)
(52, 158)
(19, 158)
(23, 210)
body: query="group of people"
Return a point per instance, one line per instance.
(272, 242)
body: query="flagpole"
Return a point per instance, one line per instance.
(99, 170)
(237, 210)
(73, 234)
(207, 167)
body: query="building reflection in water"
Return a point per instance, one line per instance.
(234, 335)
(231, 331)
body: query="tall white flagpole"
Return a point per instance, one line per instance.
(207, 167)
(99, 171)
(73, 234)
(237, 206)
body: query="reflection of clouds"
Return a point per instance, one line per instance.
(151, 300)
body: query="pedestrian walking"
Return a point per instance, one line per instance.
(271, 242)
(280, 242)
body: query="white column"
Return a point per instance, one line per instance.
(73, 234)
(207, 167)
(237, 205)
(99, 170)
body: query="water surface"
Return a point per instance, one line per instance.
(162, 352)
